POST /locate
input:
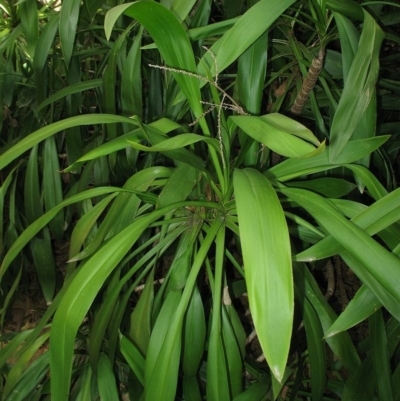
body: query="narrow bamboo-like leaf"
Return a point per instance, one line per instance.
(12, 345)
(381, 292)
(109, 314)
(349, 38)
(341, 344)
(257, 391)
(140, 329)
(133, 357)
(176, 142)
(348, 8)
(248, 28)
(51, 129)
(361, 385)
(131, 81)
(379, 263)
(33, 208)
(36, 226)
(28, 13)
(363, 305)
(181, 8)
(83, 228)
(161, 24)
(218, 383)
(373, 219)
(69, 16)
(31, 379)
(316, 351)
(191, 389)
(70, 90)
(178, 186)
(194, 336)
(236, 323)
(276, 135)
(250, 78)
(44, 43)
(78, 299)
(42, 254)
(163, 125)
(380, 356)
(18, 370)
(52, 188)
(328, 187)
(251, 74)
(266, 253)
(353, 151)
(162, 366)
(80, 295)
(106, 380)
(85, 385)
(359, 87)
(109, 85)
(233, 355)
(124, 208)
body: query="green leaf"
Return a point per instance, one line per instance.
(341, 344)
(328, 186)
(31, 140)
(363, 305)
(83, 228)
(359, 87)
(382, 266)
(19, 369)
(316, 351)
(44, 43)
(31, 379)
(28, 13)
(106, 380)
(373, 219)
(131, 80)
(33, 207)
(266, 252)
(162, 25)
(277, 132)
(85, 384)
(69, 16)
(248, 28)
(162, 363)
(380, 356)
(52, 188)
(361, 385)
(37, 225)
(140, 328)
(257, 391)
(176, 142)
(133, 357)
(178, 186)
(70, 90)
(218, 378)
(43, 259)
(353, 151)
(81, 293)
(194, 335)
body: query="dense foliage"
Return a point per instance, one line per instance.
(199, 201)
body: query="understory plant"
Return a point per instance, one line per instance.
(204, 162)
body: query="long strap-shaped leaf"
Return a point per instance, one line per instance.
(359, 87)
(162, 26)
(83, 290)
(266, 253)
(378, 262)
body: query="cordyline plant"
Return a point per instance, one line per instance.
(222, 202)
